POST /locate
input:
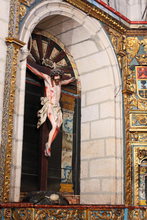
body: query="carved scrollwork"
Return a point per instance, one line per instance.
(137, 214)
(118, 42)
(138, 121)
(136, 104)
(144, 42)
(142, 59)
(23, 214)
(106, 214)
(22, 11)
(7, 213)
(27, 2)
(60, 214)
(138, 137)
(141, 154)
(14, 18)
(7, 120)
(132, 47)
(23, 7)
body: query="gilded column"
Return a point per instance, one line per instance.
(128, 160)
(13, 46)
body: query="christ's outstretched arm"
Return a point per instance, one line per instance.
(65, 82)
(36, 72)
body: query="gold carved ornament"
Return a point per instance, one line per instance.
(8, 114)
(126, 93)
(142, 58)
(122, 47)
(132, 47)
(98, 14)
(141, 119)
(137, 214)
(69, 214)
(27, 2)
(136, 136)
(23, 7)
(140, 153)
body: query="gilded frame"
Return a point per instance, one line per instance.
(138, 156)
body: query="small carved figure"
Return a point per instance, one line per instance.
(51, 102)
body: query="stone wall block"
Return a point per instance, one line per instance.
(86, 47)
(84, 169)
(90, 113)
(100, 95)
(93, 149)
(86, 185)
(85, 131)
(107, 109)
(102, 167)
(103, 128)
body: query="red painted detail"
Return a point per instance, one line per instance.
(119, 14)
(90, 207)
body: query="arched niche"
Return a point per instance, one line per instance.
(55, 173)
(101, 125)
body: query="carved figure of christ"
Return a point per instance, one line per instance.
(51, 103)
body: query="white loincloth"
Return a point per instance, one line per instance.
(49, 108)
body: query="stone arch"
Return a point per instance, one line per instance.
(101, 141)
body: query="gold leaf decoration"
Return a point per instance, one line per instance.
(132, 47)
(144, 42)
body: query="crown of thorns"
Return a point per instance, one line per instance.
(56, 72)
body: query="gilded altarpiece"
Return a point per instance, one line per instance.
(136, 48)
(131, 53)
(132, 57)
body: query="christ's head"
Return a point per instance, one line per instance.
(56, 75)
(57, 79)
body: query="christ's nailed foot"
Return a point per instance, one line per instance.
(47, 151)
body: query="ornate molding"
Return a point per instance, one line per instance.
(138, 121)
(137, 213)
(127, 92)
(27, 2)
(99, 14)
(138, 137)
(136, 32)
(24, 4)
(107, 19)
(140, 153)
(67, 212)
(7, 119)
(14, 19)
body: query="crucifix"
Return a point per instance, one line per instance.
(53, 80)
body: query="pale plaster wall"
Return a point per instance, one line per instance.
(4, 19)
(101, 128)
(132, 9)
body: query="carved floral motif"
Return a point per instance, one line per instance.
(132, 47)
